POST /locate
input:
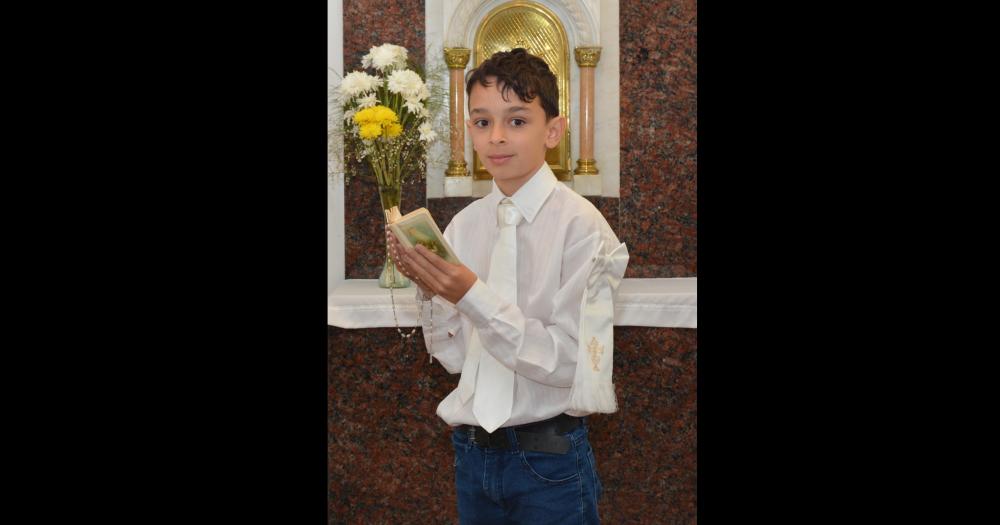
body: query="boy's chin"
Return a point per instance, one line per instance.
(501, 175)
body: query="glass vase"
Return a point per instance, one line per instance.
(389, 195)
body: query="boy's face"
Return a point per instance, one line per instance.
(511, 136)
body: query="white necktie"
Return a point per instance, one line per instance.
(494, 383)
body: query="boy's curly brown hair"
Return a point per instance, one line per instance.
(526, 74)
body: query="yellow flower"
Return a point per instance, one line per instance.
(365, 116)
(393, 129)
(370, 130)
(384, 115)
(374, 120)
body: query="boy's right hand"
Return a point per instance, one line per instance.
(434, 275)
(394, 249)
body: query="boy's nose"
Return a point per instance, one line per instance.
(496, 136)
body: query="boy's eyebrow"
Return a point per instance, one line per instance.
(515, 109)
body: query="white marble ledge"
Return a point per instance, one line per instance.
(667, 303)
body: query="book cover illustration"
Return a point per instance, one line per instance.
(418, 227)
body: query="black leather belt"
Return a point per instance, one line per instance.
(543, 436)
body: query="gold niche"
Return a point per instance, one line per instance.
(537, 29)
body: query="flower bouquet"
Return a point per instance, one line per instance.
(384, 120)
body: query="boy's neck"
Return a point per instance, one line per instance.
(510, 187)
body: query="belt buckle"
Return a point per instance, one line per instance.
(476, 439)
(483, 439)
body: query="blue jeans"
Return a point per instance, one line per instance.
(502, 486)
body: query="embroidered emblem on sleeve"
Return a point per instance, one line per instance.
(596, 350)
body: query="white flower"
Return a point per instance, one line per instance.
(349, 114)
(367, 101)
(424, 93)
(406, 83)
(414, 106)
(384, 57)
(426, 132)
(356, 83)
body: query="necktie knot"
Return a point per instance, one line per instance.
(507, 214)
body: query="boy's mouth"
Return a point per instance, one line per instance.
(499, 159)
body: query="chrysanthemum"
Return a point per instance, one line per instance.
(406, 83)
(356, 83)
(384, 115)
(415, 107)
(426, 132)
(385, 57)
(367, 101)
(370, 131)
(393, 129)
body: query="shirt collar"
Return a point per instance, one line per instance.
(528, 199)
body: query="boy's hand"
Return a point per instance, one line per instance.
(395, 250)
(434, 275)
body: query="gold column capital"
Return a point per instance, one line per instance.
(587, 56)
(456, 57)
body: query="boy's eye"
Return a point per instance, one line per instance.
(517, 122)
(480, 123)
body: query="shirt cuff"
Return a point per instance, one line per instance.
(480, 304)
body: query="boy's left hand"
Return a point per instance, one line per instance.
(443, 278)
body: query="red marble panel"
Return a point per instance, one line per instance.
(658, 66)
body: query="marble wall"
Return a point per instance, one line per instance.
(390, 458)
(658, 45)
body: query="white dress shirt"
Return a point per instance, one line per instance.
(537, 337)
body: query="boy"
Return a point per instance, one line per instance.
(509, 317)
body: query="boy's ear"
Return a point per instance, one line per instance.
(555, 129)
